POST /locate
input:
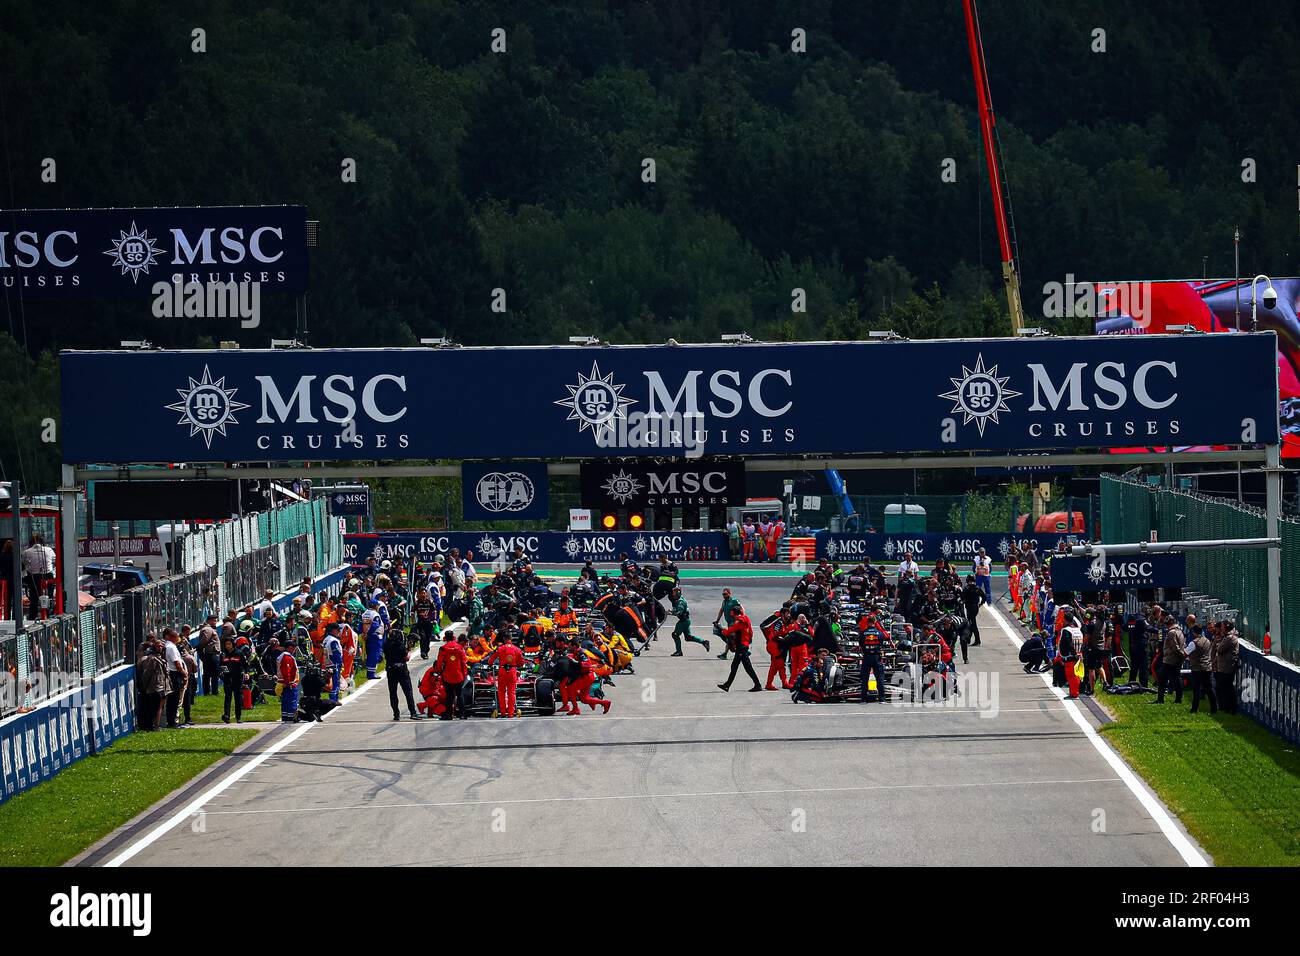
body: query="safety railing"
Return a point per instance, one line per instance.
(1235, 577)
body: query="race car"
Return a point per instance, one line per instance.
(535, 695)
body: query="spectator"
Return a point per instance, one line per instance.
(38, 568)
(983, 569)
(190, 657)
(6, 570)
(1137, 650)
(176, 673)
(210, 654)
(153, 684)
(1173, 651)
(1200, 656)
(1227, 658)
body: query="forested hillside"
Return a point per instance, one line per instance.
(775, 169)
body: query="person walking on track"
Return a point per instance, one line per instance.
(740, 635)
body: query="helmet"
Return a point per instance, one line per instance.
(304, 616)
(386, 565)
(246, 626)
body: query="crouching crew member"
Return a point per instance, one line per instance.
(577, 688)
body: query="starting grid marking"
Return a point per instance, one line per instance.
(823, 712)
(682, 795)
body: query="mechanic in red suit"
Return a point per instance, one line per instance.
(772, 629)
(453, 667)
(580, 686)
(739, 636)
(799, 642)
(509, 659)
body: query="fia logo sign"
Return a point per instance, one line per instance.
(504, 491)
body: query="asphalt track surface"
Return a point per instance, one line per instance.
(680, 773)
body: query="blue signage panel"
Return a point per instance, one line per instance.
(504, 490)
(347, 504)
(1104, 572)
(926, 546)
(70, 252)
(673, 401)
(1269, 690)
(548, 547)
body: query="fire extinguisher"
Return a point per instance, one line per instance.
(1268, 643)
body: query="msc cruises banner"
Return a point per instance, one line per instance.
(1118, 573)
(959, 547)
(62, 252)
(672, 401)
(549, 547)
(606, 485)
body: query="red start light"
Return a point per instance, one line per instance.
(636, 521)
(609, 521)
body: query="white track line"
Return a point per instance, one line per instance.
(666, 796)
(1144, 796)
(870, 712)
(197, 804)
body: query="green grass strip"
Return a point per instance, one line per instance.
(57, 819)
(1234, 784)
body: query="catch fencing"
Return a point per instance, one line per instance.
(1237, 577)
(228, 566)
(272, 550)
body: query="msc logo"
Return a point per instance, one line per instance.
(504, 491)
(133, 252)
(1096, 572)
(207, 406)
(622, 487)
(595, 400)
(979, 395)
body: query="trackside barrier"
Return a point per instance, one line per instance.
(36, 745)
(57, 730)
(1269, 692)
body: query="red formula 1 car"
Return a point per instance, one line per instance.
(535, 695)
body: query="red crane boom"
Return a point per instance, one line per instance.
(997, 179)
